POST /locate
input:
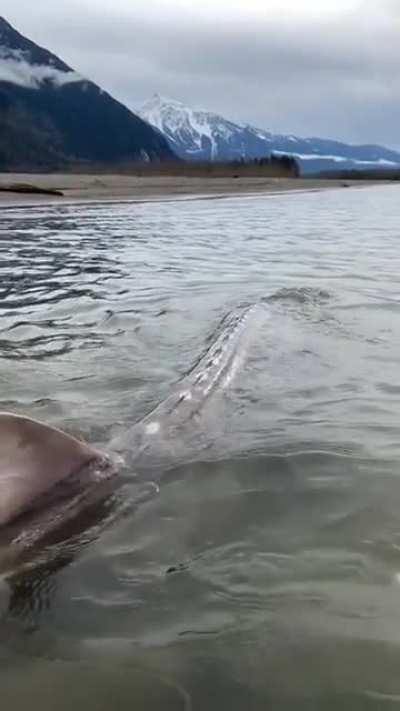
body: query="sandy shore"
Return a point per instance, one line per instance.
(77, 188)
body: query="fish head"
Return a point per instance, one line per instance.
(34, 458)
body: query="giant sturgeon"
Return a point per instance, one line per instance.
(48, 478)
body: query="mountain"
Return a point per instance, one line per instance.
(201, 135)
(50, 115)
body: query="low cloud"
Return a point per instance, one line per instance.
(16, 70)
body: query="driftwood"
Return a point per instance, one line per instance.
(29, 189)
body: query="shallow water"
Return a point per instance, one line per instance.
(284, 528)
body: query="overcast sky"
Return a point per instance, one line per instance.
(328, 68)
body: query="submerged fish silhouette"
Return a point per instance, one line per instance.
(48, 479)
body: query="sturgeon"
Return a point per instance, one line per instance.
(48, 478)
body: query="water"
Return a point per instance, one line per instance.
(283, 533)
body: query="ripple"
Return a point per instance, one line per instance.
(301, 295)
(280, 513)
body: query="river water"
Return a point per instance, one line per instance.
(282, 537)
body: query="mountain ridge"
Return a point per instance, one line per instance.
(50, 115)
(204, 135)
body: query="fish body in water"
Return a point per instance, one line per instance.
(50, 480)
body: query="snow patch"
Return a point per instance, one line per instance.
(263, 136)
(339, 159)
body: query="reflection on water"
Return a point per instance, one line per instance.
(282, 540)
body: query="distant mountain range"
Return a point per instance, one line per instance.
(50, 115)
(201, 135)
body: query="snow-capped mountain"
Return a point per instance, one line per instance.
(49, 114)
(201, 135)
(195, 134)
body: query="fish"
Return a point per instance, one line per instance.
(51, 482)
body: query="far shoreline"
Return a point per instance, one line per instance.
(80, 188)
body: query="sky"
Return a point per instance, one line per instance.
(327, 68)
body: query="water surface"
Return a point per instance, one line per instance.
(284, 532)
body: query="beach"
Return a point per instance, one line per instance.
(105, 187)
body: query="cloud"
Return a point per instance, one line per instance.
(32, 77)
(15, 69)
(331, 74)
